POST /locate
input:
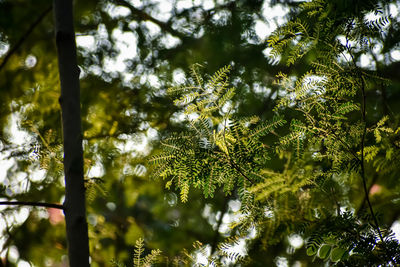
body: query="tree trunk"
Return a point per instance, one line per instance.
(74, 205)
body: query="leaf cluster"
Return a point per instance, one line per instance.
(217, 149)
(329, 141)
(346, 240)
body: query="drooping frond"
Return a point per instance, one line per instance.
(267, 127)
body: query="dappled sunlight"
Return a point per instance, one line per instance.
(220, 132)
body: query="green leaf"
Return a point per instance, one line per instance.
(337, 254)
(311, 251)
(324, 251)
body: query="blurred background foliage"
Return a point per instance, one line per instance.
(129, 53)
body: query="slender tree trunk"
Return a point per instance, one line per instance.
(74, 205)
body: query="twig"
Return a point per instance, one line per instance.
(374, 179)
(146, 17)
(363, 119)
(214, 243)
(33, 204)
(25, 36)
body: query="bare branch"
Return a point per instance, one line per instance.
(141, 15)
(33, 204)
(25, 36)
(362, 145)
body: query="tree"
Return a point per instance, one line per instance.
(75, 203)
(123, 205)
(331, 141)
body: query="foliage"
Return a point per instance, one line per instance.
(139, 260)
(184, 258)
(331, 140)
(210, 153)
(352, 241)
(126, 106)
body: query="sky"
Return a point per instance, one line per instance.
(272, 17)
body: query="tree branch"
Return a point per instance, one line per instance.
(25, 36)
(362, 162)
(224, 210)
(146, 17)
(33, 204)
(361, 207)
(366, 191)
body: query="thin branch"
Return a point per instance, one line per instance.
(363, 119)
(361, 207)
(366, 191)
(332, 131)
(33, 204)
(224, 210)
(25, 36)
(101, 136)
(146, 17)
